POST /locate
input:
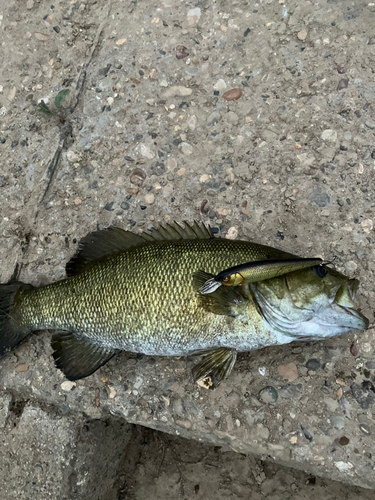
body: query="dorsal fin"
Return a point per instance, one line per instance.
(114, 240)
(173, 231)
(99, 244)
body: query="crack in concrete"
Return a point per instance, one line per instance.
(67, 129)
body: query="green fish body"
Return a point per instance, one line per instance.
(142, 294)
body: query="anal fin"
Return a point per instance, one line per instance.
(76, 357)
(216, 364)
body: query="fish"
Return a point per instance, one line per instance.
(141, 293)
(251, 272)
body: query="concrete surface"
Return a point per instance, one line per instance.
(147, 137)
(49, 453)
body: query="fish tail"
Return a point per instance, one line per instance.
(12, 331)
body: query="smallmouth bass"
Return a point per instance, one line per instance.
(141, 293)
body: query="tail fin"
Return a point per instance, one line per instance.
(12, 332)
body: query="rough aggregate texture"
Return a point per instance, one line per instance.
(146, 136)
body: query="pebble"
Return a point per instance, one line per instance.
(232, 233)
(364, 394)
(343, 84)
(193, 16)
(22, 367)
(343, 440)
(12, 94)
(367, 225)
(268, 395)
(186, 148)
(213, 118)
(302, 35)
(338, 422)
(124, 205)
(149, 198)
(365, 429)
(288, 372)
(181, 52)
(181, 171)
(146, 152)
(109, 206)
(306, 433)
(370, 124)
(177, 91)
(329, 135)
(111, 392)
(269, 135)
(184, 423)
(41, 37)
(72, 156)
(353, 350)
(224, 211)
(29, 4)
(320, 198)
(331, 404)
(121, 41)
(351, 266)
(232, 117)
(137, 177)
(156, 168)
(77, 201)
(313, 364)
(68, 385)
(220, 85)
(344, 467)
(293, 391)
(192, 122)
(232, 94)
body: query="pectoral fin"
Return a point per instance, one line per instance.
(253, 272)
(77, 358)
(223, 301)
(216, 364)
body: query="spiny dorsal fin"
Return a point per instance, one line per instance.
(173, 231)
(114, 240)
(222, 301)
(76, 357)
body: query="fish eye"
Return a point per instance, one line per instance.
(320, 271)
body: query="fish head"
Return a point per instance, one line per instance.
(309, 304)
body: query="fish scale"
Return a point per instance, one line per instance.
(133, 300)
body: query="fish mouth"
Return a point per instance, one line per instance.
(344, 301)
(350, 318)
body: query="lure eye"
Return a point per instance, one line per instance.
(320, 271)
(227, 279)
